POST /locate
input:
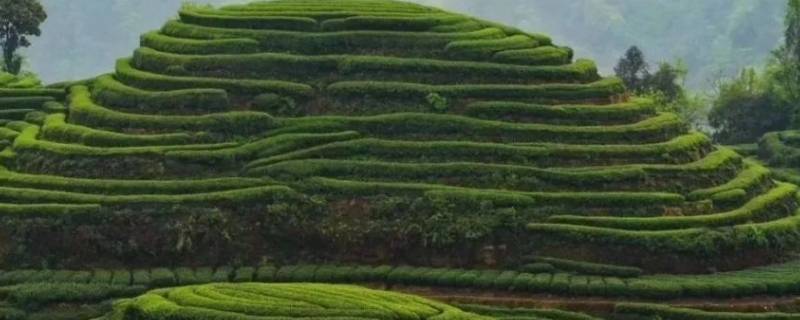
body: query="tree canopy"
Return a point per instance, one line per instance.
(19, 19)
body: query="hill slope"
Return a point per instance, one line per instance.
(372, 131)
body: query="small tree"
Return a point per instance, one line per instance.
(668, 81)
(19, 19)
(632, 69)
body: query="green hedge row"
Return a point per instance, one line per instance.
(47, 210)
(503, 313)
(675, 313)
(600, 90)
(323, 5)
(57, 94)
(33, 296)
(262, 194)
(125, 187)
(248, 22)
(15, 114)
(589, 268)
(779, 234)
(425, 126)
(108, 91)
(683, 147)
(627, 112)
(314, 68)
(28, 141)
(83, 111)
(760, 208)
(338, 13)
(477, 175)
(751, 177)
(347, 189)
(456, 23)
(56, 129)
(485, 49)
(357, 8)
(544, 55)
(776, 280)
(146, 80)
(715, 164)
(414, 43)
(270, 146)
(24, 102)
(164, 43)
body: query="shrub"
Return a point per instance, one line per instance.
(437, 102)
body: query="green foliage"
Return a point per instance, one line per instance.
(633, 69)
(437, 102)
(747, 107)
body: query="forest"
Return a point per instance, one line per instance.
(399, 160)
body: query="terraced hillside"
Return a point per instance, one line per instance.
(383, 143)
(372, 132)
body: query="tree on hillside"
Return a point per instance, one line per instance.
(665, 87)
(746, 108)
(632, 69)
(668, 80)
(19, 19)
(785, 66)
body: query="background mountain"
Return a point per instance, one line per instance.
(714, 38)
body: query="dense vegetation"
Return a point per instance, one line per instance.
(382, 143)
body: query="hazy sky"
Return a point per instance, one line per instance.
(83, 38)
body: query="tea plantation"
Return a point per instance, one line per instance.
(257, 161)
